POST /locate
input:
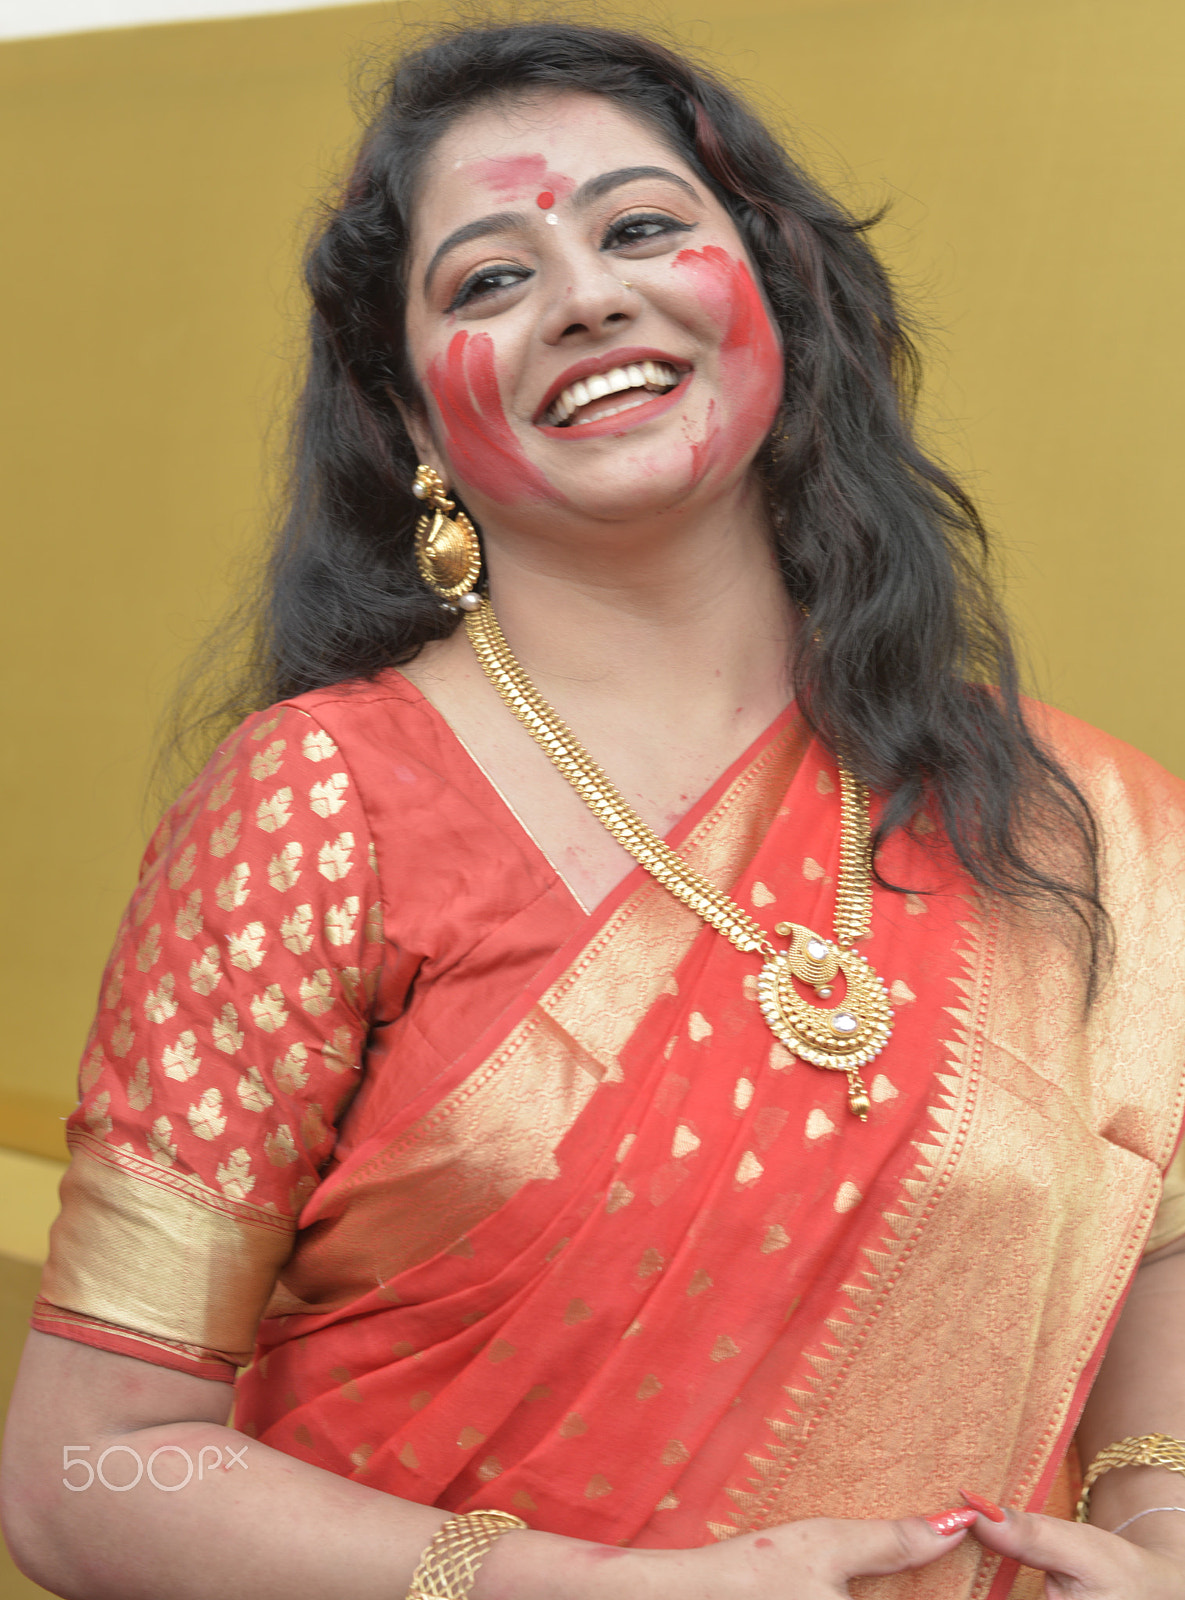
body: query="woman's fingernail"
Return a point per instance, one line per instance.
(948, 1522)
(984, 1507)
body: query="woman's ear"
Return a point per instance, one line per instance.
(415, 420)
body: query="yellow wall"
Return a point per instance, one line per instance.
(155, 189)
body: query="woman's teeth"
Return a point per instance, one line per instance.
(653, 376)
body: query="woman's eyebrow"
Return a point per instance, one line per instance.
(596, 187)
(497, 222)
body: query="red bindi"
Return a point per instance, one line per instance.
(545, 201)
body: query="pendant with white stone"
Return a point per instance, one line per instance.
(842, 1038)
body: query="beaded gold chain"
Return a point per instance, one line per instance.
(842, 1038)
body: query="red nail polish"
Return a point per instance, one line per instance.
(985, 1507)
(948, 1522)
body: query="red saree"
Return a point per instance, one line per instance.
(588, 1244)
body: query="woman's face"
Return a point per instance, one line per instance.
(583, 319)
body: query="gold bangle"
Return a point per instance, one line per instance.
(1149, 1450)
(449, 1564)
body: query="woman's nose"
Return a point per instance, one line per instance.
(587, 301)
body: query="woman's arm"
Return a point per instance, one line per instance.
(1140, 1390)
(259, 1523)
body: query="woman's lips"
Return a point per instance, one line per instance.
(619, 412)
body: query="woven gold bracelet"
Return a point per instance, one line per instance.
(1149, 1450)
(449, 1564)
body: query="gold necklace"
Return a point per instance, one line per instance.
(843, 1038)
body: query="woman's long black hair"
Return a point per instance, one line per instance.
(906, 667)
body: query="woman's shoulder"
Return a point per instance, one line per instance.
(1121, 782)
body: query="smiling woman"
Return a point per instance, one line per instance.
(639, 1047)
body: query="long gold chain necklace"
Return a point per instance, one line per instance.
(843, 1038)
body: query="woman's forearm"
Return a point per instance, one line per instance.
(1141, 1389)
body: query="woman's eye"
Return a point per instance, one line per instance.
(641, 229)
(488, 281)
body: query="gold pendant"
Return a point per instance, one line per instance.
(843, 1038)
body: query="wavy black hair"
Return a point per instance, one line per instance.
(907, 668)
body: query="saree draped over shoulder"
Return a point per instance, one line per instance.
(511, 1206)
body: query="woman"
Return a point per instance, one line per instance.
(559, 1187)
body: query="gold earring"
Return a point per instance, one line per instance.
(447, 550)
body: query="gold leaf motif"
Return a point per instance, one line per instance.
(314, 1130)
(224, 839)
(597, 1486)
(160, 1142)
(408, 1457)
(674, 1452)
(316, 993)
(420, 1399)
(623, 1149)
(91, 1070)
(205, 974)
(301, 1190)
(296, 931)
(139, 1087)
(490, 1468)
(811, 870)
(188, 921)
(372, 859)
(268, 762)
(340, 1051)
(233, 889)
(742, 1094)
(274, 812)
(749, 986)
(96, 1116)
(159, 1004)
(280, 1146)
(619, 1196)
(915, 906)
(340, 921)
(143, 903)
(824, 782)
(776, 1238)
(252, 1092)
(181, 869)
(180, 1060)
(149, 952)
(882, 1089)
(761, 895)
(650, 1263)
(901, 993)
(724, 1349)
(649, 1387)
(328, 797)
(352, 983)
(260, 733)
(572, 1426)
(469, 1438)
(749, 1169)
(122, 1034)
(360, 1456)
(577, 1311)
(501, 1350)
(268, 1009)
(847, 1196)
(221, 791)
(318, 746)
(698, 1027)
(205, 1115)
(700, 1281)
(372, 933)
(283, 870)
(228, 1036)
(234, 1176)
(634, 1328)
(685, 1142)
(669, 1502)
(246, 949)
(819, 1124)
(779, 1057)
(333, 859)
(113, 988)
(289, 1070)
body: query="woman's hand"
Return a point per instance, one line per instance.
(1085, 1563)
(810, 1560)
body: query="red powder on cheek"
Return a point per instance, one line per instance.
(512, 176)
(751, 366)
(481, 445)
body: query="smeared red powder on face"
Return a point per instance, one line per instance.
(545, 201)
(481, 444)
(751, 367)
(511, 177)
